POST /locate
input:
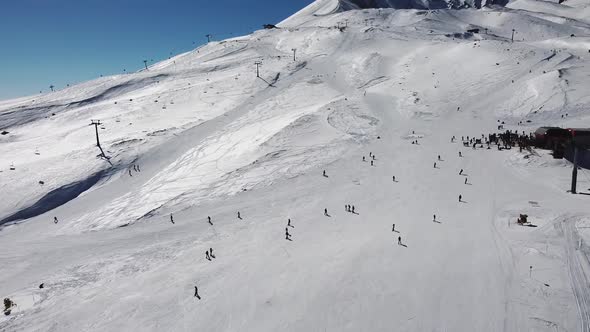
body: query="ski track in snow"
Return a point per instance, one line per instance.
(579, 267)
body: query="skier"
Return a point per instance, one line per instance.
(460, 197)
(346, 207)
(239, 216)
(324, 173)
(394, 178)
(399, 240)
(439, 157)
(130, 172)
(197, 293)
(289, 224)
(55, 220)
(139, 170)
(460, 155)
(434, 217)
(461, 172)
(287, 235)
(371, 163)
(171, 219)
(211, 253)
(209, 219)
(465, 180)
(434, 165)
(353, 209)
(207, 255)
(364, 158)
(42, 285)
(373, 157)
(393, 228)
(370, 154)
(325, 212)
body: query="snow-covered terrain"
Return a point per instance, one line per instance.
(212, 139)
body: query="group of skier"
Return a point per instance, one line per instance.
(135, 168)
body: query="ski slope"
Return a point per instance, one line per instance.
(213, 139)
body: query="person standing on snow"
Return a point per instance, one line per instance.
(209, 219)
(171, 219)
(197, 293)
(55, 221)
(287, 235)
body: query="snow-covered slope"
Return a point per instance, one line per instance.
(201, 135)
(330, 7)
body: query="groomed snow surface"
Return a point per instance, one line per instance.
(200, 135)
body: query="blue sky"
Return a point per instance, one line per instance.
(45, 42)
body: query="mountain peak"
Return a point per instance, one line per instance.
(328, 7)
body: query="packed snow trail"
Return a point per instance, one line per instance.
(579, 266)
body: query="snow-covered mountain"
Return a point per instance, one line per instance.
(330, 7)
(119, 243)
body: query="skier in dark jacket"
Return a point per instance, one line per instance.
(287, 235)
(197, 293)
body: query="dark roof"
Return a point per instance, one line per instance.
(544, 130)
